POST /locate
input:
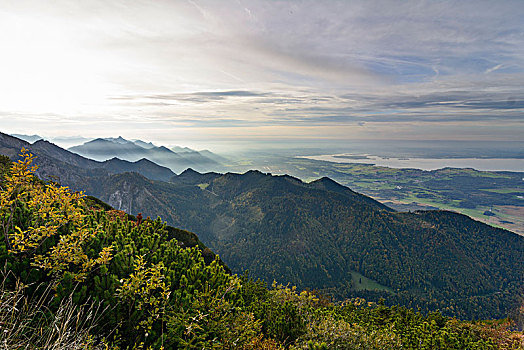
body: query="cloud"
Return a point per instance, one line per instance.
(295, 64)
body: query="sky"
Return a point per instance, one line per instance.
(201, 72)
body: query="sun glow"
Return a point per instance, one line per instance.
(42, 70)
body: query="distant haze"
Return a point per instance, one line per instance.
(240, 73)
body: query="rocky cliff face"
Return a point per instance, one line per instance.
(129, 198)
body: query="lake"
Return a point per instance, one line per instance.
(487, 164)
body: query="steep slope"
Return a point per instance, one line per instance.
(51, 150)
(10, 145)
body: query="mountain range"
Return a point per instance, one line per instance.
(102, 149)
(62, 140)
(67, 167)
(318, 235)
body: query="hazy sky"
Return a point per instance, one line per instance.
(191, 72)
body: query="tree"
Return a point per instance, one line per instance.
(46, 222)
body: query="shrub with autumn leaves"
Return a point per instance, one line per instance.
(152, 291)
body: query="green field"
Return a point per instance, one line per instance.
(503, 190)
(360, 282)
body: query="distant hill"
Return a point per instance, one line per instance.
(63, 140)
(188, 152)
(106, 148)
(28, 138)
(179, 149)
(214, 156)
(119, 140)
(143, 144)
(322, 235)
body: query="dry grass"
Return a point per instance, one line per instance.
(30, 324)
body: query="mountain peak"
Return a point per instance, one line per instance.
(329, 184)
(41, 141)
(180, 149)
(97, 140)
(145, 160)
(289, 178)
(119, 140)
(143, 144)
(188, 172)
(254, 172)
(327, 181)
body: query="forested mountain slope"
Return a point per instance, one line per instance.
(316, 234)
(79, 274)
(322, 235)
